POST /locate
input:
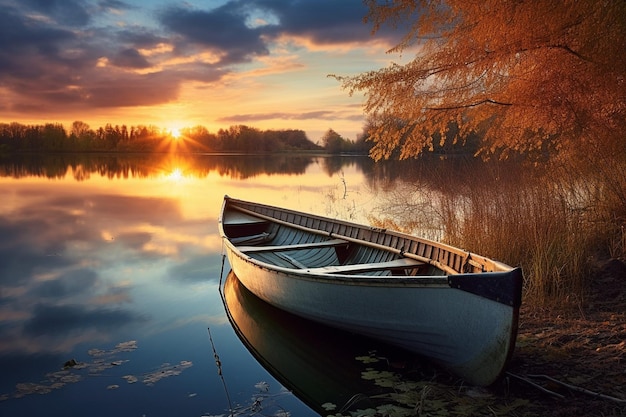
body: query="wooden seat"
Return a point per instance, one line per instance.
(395, 264)
(299, 246)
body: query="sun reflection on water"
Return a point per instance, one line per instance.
(175, 175)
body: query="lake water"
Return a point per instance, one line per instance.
(110, 269)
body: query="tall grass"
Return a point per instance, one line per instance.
(554, 221)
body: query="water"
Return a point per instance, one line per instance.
(111, 265)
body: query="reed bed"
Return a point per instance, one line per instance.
(555, 222)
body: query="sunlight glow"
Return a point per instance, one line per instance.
(175, 132)
(176, 175)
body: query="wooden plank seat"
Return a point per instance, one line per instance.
(395, 264)
(298, 246)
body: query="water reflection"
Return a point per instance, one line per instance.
(83, 166)
(324, 367)
(88, 275)
(106, 251)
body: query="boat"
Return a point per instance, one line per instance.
(456, 308)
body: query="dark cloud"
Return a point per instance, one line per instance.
(114, 5)
(227, 28)
(79, 281)
(139, 37)
(132, 90)
(222, 29)
(35, 241)
(130, 58)
(322, 21)
(72, 12)
(43, 62)
(24, 250)
(26, 45)
(64, 319)
(197, 270)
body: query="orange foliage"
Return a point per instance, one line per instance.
(527, 75)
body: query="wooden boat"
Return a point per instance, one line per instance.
(456, 308)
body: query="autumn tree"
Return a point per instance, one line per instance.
(526, 74)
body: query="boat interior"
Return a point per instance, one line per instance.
(292, 248)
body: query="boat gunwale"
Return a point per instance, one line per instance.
(469, 258)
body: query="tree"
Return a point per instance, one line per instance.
(332, 141)
(53, 136)
(79, 129)
(527, 75)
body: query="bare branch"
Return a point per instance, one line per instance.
(466, 106)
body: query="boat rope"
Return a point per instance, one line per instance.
(218, 363)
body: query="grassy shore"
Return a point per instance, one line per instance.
(558, 221)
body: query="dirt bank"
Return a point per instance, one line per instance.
(584, 347)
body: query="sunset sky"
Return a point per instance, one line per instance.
(216, 63)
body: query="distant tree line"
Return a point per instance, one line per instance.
(16, 137)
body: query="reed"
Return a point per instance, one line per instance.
(554, 222)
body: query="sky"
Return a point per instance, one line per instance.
(175, 64)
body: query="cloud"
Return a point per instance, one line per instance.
(113, 5)
(79, 281)
(25, 250)
(64, 56)
(130, 58)
(242, 118)
(233, 28)
(321, 114)
(222, 29)
(322, 21)
(197, 270)
(52, 319)
(43, 62)
(73, 12)
(125, 90)
(62, 276)
(35, 239)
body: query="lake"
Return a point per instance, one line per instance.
(110, 301)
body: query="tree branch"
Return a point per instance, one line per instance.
(571, 51)
(465, 106)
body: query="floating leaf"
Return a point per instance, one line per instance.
(262, 386)
(393, 410)
(329, 406)
(367, 359)
(131, 379)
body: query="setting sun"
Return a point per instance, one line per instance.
(175, 132)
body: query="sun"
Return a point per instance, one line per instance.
(176, 133)
(175, 130)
